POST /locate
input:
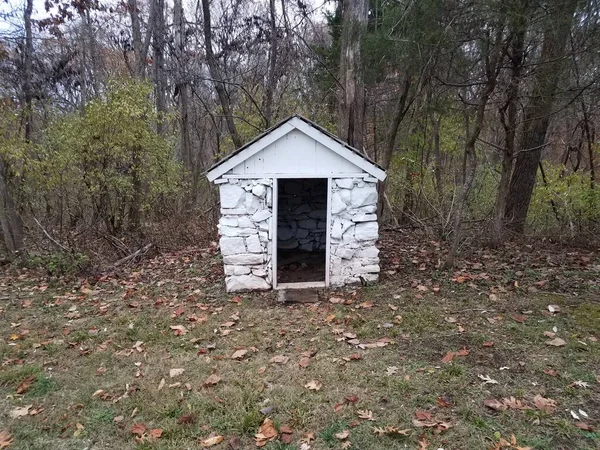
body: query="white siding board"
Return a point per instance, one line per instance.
(296, 153)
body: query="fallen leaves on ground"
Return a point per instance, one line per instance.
(6, 439)
(178, 330)
(175, 372)
(25, 384)
(342, 434)
(313, 385)
(487, 379)
(503, 443)
(365, 414)
(211, 380)
(267, 432)
(20, 411)
(425, 420)
(279, 359)
(211, 440)
(556, 342)
(544, 404)
(239, 354)
(390, 431)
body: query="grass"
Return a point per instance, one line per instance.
(74, 356)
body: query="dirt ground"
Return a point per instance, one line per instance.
(500, 353)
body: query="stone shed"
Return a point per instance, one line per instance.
(298, 209)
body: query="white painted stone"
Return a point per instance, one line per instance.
(362, 217)
(253, 203)
(366, 231)
(259, 272)
(231, 196)
(344, 252)
(263, 236)
(244, 259)
(337, 204)
(345, 183)
(228, 221)
(368, 252)
(253, 244)
(261, 215)
(246, 283)
(236, 270)
(346, 195)
(234, 211)
(221, 181)
(339, 227)
(232, 245)
(367, 209)
(371, 179)
(245, 222)
(259, 190)
(263, 226)
(236, 231)
(366, 269)
(364, 196)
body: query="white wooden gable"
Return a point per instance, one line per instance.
(296, 147)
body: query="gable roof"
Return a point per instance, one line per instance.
(309, 128)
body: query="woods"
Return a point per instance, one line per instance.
(483, 113)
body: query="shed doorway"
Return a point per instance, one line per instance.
(301, 256)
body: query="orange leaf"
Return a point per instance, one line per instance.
(448, 357)
(25, 384)
(6, 439)
(156, 433)
(138, 428)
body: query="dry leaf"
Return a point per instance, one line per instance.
(494, 404)
(544, 404)
(448, 357)
(156, 433)
(239, 354)
(313, 385)
(556, 342)
(365, 414)
(210, 441)
(175, 372)
(211, 380)
(20, 412)
(487, 380)
(25, 384)
(304, 361)
(138, 428)
(279, 359)
(186, 419)
(6, 439)
(390, 431)
(179, 330)
(342, 434)
(267, 432)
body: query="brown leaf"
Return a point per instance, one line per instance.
(390, 431)
(138, 429)
(462, 352)
(179, 330)
(175, 372)
(494, 404)
(423, 415)
(210, 441)
(313, 385)
(20, 412)
(551, 372)
(239, 354)
(279, 359)
(448, 357)
(556, 342)
(186, 419)
(444, 402)
(304, 362)
(544, 404)
(211, 380)
(156, 433)
(351, 398)
(267, 432)
(488, 344)
(581, 425)
(6, 439)
(520, 318)
(365, 414)
(25, 384)
(342, 434)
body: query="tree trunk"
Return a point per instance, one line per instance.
(508, 115)
(352, 97)
(537, 114)
(271, 75)
(10, 221)
(160, 82)
(28, 71)
(215, 74)
(182, 85)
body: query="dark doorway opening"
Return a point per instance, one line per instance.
(301, 230)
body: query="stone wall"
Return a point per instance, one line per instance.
(244, 227)
(302, 214)
(354, 230)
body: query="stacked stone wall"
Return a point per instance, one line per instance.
(354, 231)
(245, 230)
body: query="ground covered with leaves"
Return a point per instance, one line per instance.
(501, 353)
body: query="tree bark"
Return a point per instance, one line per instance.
(160, 82)
(28, 71)
(352, 96)
(271, 75)
(537, 114)
(508, 116)
(215, 74)
(182, 85)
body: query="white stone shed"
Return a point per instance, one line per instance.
(298, 209)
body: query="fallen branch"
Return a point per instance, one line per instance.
(50, 238)
(138, 253)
